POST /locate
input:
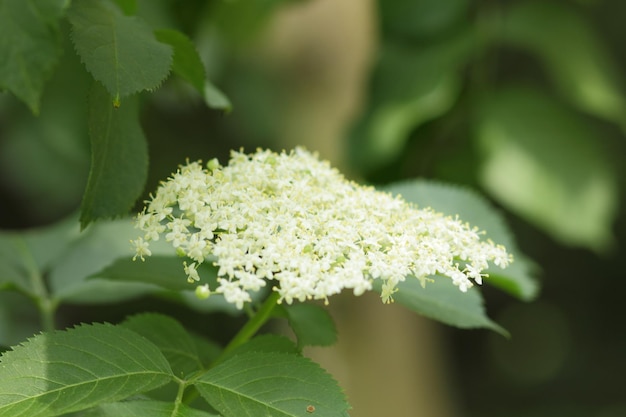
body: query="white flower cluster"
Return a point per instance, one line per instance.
(292, 220)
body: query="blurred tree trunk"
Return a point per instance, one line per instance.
(390, 361)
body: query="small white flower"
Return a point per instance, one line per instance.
(141, 248)
(192, 272)
(292, 219)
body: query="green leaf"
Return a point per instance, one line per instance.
(410, 87)
(519, 278)
(188, 65)
(19, 318)
(215, 99)
(146, 408)
(171, 338)
(442, 301)
(187, 62)
(25, 256)
(264, 343)
(119, 51)
(165, 271)
(271, 384)
(312, 324)
(546, 164)
(65, 371)
(240, 21)
(415, 19)
(119, 162)
(95, 248)
(129, 7)
(574, 55)
(30, 46)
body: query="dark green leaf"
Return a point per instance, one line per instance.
(312, 324)
(146, 408)
(129, 7)
(271, 384)
(546, 164)
(119, 163)
(442, 301)
(186, 63)
(518, 279)
(119, 51)
(30, 46)
(264, 343)
(171, 338)
(19, 318)
(165, 271)
(241, 21)
(415, 19)
(64, 371)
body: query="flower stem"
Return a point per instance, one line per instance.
(252, 326)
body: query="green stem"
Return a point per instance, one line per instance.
(47, 307)
(252, 326)
(247, 331)
(38, 289)
(179, 397)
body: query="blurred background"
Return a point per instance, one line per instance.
(523, 101)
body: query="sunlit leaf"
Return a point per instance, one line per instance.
(545, 163)
(95, 248)
(119, 51)
(573, 54)
(119, 163)
(30, 46)
(271, 384)
(518, 279)
(410, 86)
(26, 256)
(56, 373)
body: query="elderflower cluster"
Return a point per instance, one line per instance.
(291, 220)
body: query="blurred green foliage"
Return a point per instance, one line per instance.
(521, 99)
(442, 86)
